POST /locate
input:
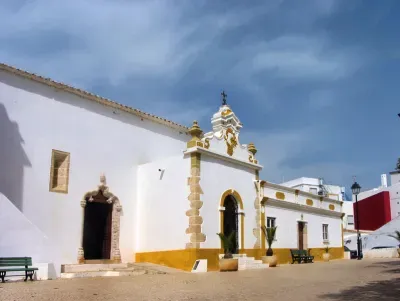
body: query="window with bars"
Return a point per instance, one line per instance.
(325, 233)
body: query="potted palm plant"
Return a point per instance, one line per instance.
(227, 263)
(396, 236)
(270, 258)
(326, 256)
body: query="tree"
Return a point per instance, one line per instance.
(270, 237)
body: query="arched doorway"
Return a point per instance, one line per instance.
(100, 225)
(231, 222)
(97, 228)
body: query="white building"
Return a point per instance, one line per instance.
(165, 190)
(393, 189)
(317, 186)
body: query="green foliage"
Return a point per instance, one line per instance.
(227, 242)
(396, 235)
(269, 234)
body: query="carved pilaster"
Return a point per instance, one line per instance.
(195, 220)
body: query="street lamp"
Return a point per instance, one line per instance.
(355, 188)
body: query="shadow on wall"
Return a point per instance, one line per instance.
(12, 160)
(372, 291)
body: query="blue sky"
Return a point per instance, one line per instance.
(315, 83)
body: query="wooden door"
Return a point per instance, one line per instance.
(301, 236)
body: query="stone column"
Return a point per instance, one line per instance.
(81, 253)
(115, 252)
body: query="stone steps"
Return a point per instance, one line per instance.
(249, 263)
(103, 274)
(76, 268)
(105, 270)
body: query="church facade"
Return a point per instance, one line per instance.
(85, 179)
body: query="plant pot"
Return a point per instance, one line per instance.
(272, 261)
(326, 256)
(228, 264)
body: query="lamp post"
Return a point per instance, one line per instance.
(355, 188)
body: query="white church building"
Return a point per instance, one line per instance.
(84, 179)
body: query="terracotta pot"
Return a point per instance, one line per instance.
(326, 256)
(228, 265)
(272, 261)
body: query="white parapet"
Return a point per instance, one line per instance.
(381, 253)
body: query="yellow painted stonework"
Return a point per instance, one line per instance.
(185, 259)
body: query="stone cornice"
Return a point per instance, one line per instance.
(222, 157)
(300, 207)
(297, 191)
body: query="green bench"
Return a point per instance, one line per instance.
(16, 264)
(301, 256)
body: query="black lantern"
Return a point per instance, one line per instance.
(355, 188)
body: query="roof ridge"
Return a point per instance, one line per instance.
(91, 96)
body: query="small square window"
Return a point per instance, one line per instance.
(350, 219)
(59, 171)
(271, 221)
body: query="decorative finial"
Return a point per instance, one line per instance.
(252, 149)
(195, 131)
(102, 179)
(224, 95)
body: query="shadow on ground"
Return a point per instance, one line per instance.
(392, 267)
(376, 290)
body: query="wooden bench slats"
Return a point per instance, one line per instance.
(301, 255)
(18, 269)
(16, 264)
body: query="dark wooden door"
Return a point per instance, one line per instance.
(231, 221)
(97, 228)
(107, 235)
(301, 236)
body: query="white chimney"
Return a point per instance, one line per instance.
(383, 180)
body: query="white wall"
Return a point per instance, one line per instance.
(394, 178)
(347, 209)
(394, 192)
(162, 204)
(287, 235)
(34, 119)
(216, 177)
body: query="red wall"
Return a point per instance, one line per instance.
(374, 211)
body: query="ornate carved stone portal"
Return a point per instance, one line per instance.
(90, 196)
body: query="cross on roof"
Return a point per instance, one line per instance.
(224, 95)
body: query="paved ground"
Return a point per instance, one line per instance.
(354, 280)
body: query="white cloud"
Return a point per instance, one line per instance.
(303, 58)
(113, 39)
